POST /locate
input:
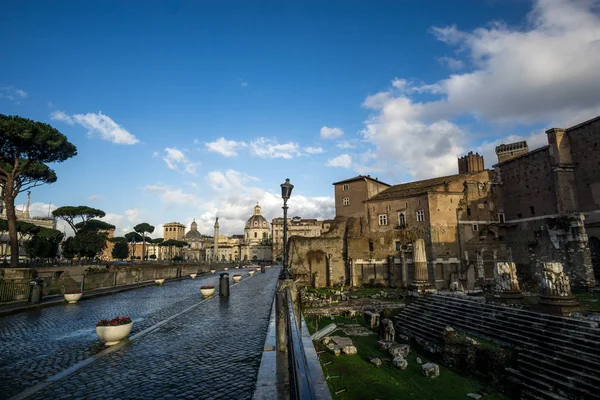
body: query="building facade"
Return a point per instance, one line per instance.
(533, 207)
(296, 227)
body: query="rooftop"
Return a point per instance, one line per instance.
(360, 178)
(418, 187)
(511, 146)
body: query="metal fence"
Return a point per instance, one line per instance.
(12, 290)
(301, 386)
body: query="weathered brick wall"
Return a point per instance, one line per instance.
(528, 181)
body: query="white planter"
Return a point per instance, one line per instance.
(159, 281)
(225, 269)
(212, 271)
(207, 292)
(251, 272)
(193, 276)
(112, 335)
(73, 298)
(236, 278)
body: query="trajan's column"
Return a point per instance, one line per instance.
(216, 241)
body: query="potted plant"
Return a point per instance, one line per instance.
(207, 290)
(73, 295)
(159, 281)
(251, 272)
(236, 278)
(112, 331)
(193, 275)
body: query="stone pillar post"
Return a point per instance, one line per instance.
(421, 277)
(420, 260)
(555, 290)
(506, 287)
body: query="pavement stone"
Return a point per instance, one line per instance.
(211, 351)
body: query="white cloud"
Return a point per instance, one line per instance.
(331, 133)
(268, 148)
(343, 161)
(227, 148)
(452, 63)
(314, 150)
(517, 76)
(172, 196)
(155, 154)
(178, 161)
(243, 84)
(133, 215)
(229, 180)
(61, 116)
(99, 124)
(13, 94)
(346, 144)
(96, 197)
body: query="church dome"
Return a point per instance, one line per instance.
(257, 220)
(193, 232)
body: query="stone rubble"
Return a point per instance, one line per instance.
(400, 362)
(430, 370)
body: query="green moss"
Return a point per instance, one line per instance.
(363, 380)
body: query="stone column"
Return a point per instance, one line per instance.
(506, 287)
(421, 278)
(555, 290)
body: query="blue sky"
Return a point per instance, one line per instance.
(185, 110)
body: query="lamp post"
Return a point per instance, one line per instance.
(286, 192)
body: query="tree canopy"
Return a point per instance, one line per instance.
(44, 243)
(94, 225)
(70, 213)
(25, 148)
(120, 250)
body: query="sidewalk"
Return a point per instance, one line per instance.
(54, 300)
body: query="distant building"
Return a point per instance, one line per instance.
(173, 230)
(296, 227)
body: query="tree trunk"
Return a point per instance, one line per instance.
(143, 247)
(11, 217)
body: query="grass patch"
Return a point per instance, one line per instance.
(363, 380)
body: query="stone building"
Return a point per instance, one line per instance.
(551, 203)
(296, 227)
(534, 207)
(350, 194)
(195, 240)
(173, 230)
(253, 245)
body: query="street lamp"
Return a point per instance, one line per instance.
(286, 192)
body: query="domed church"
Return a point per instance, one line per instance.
(257, 228)
(257, 238)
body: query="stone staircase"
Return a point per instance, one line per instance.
(558, 357)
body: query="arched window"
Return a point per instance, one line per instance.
(255, 234)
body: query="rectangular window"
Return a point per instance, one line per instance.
(371, 245)
(346, 201)
(345, 187)
(401, 220)
(382, 219)
(475, 227)
(532, 210)
(468, 211)
(398, 246)
(420, 216)
(501, 218)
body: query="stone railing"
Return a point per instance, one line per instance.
(15, 286)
